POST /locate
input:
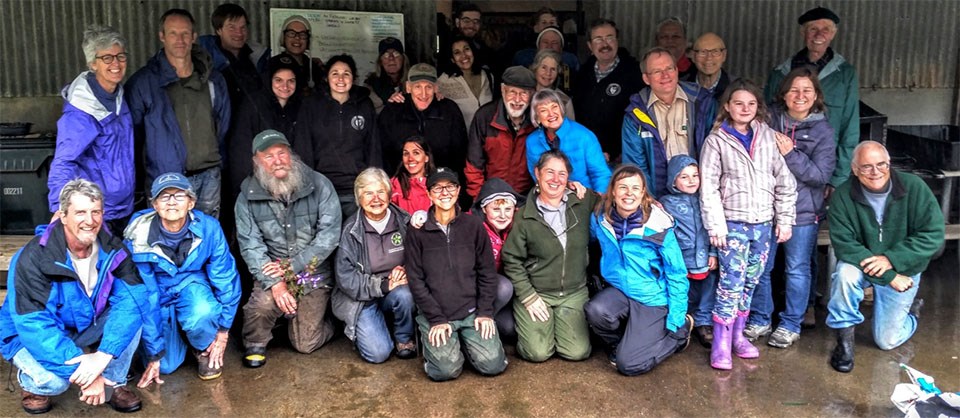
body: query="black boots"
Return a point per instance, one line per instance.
(842, 358)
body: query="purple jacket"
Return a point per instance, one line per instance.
(812, 161)
(95, 144)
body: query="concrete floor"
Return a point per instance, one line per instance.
(796, 382)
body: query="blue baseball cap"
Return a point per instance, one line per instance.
(168, 180)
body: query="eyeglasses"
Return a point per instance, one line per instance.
(881, 167)
(603, 39)
(469, 21)
(291, 34)
(659, 73)
(522, 94)
(392, 54)
(450, 188)
(712, 53)
(179, 197)
(108, 59)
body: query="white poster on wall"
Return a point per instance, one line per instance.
(335, 32)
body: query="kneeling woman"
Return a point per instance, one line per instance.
(545, 257)
(642, 316)
(371, 279)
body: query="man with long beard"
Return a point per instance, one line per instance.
(288, 221)
(496, 141)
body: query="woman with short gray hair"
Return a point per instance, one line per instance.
(546, 69)
(95, 132)
(371, 279)
(556, 132)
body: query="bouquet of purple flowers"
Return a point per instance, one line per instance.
(298, 283)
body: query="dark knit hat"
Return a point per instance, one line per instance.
(390, 43)
(817, 14)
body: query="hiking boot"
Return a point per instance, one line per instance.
(124, 400)
(688, 325)
(915, 308)
(255, 357)
(35, 404)
(204, 371)
(754, 332)
(407, 350)
(809, 318)
(842, 358)
(704, 335)
(782, 338)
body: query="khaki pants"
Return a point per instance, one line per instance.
(309, 330)
(565, 333)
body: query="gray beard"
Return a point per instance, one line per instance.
(281, 189)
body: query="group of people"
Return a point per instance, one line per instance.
(467, 208)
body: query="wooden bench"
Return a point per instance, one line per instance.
(9, 245)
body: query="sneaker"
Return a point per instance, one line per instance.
(612, 356)
(35, 404)
(704, 335)
(782, 338)
(124, 400)
(407, 350)
(255, 357)
(688, 324)
(754, 331)
(809, 318)
(204, 371)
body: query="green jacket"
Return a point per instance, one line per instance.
(535, 261)
(841, 93)
(911, 233)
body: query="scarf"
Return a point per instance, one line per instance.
(622, 226)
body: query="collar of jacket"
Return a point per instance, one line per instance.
(897, 191)
(412, 114)
(355, 94)
(55, 251)
(501, 123)
(257, 192)
(529, 211)
(653, 230)
(138, 230)
(202, 63)
(431, 223)
(81, 96)
(356, 227)
(830, 68)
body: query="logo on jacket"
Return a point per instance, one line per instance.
(613, 89)
(396, 239)
(357, 122)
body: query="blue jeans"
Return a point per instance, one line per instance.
(206, 184)
(741, 264)
(892, 322)
(701, 297)
(798, 275)
(35, 379)
(373, 336)
(197, 312)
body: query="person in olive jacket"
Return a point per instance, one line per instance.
(545, 257)
(450, 270)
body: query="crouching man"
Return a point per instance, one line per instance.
(72, 312)
(194, 287)
(288, 223)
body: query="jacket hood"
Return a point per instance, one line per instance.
(493, 186)
(79, 94)
(674, 167)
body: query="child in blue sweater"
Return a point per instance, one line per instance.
(682, 201)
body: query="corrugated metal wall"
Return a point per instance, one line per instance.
(40, 39)
(893, 44)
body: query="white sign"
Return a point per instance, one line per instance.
(334, 32)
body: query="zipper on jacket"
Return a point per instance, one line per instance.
(881, 233)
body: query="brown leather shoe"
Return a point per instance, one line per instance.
(124, 400)
(35, 404)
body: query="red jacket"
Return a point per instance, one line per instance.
(417, 199)
(494, 150)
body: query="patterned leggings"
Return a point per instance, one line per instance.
(741, 264)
